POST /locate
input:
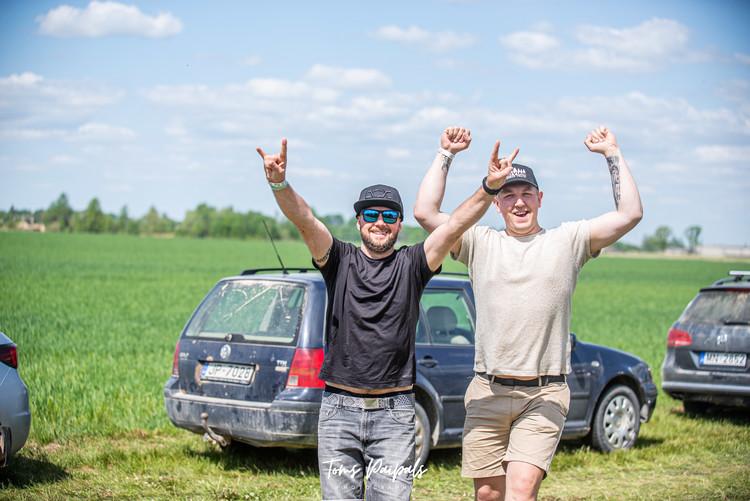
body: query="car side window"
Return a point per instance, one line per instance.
(447, 318)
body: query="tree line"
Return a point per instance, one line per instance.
(203, 222)
(209, 222)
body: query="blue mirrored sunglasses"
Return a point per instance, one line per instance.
(371, 215)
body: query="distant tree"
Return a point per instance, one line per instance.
(623, 247)
(692, 235)
(333, 220)
(659, 241)
(59, 214)
(197, 223)
(93, 220)
(123, 220)
(154, 224)
(227, 224)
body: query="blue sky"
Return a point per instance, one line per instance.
(162, 103)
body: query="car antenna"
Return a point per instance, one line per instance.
(283, 268)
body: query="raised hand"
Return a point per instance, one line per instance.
(601, 140)
(455, 139)
(275, 165)
(499, 168)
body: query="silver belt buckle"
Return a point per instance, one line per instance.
(371, 403)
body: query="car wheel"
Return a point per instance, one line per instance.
(422, 434)
(616, 420)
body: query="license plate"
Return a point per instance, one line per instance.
(723, 359)
(230, 373)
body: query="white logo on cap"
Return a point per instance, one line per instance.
(516, 172)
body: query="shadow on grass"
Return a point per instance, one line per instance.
(444, 458)
(739, 416)
(266, 460)
(23, 471)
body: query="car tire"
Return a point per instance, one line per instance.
(616, 420)
(422, 433)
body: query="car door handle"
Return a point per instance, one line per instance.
(428, 362)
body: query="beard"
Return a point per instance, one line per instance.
(385, 246)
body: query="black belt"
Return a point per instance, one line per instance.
(539, 381)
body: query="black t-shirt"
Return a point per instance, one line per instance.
(372, 314)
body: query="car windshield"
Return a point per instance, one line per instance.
(719, 307)
(250, 310)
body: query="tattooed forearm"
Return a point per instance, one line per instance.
(325, 257)
(614, 171)
(446, 164)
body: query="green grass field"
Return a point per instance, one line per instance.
(96, 318)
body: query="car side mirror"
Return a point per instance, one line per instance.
(573, 341)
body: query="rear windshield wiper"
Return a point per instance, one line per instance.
(736, 322)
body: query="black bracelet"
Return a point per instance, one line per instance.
(489, 190)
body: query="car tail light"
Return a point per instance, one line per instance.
(305, 368)
(175, 360)
(9, 355)
(677, 337)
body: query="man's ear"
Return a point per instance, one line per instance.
(496, 203)
(541, 194)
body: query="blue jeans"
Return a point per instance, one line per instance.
(368, 440)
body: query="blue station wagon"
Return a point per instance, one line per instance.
(246, 368)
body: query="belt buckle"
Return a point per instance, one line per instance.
(372, 403)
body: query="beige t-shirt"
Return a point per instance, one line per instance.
(523, 288)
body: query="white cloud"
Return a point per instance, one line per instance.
(646, 47)
(64, 159)
(398, 153)
(723, 154)
(652, 39)
(436, 42)
(102, 132)
(26, 79)
(22, 91)
(348, 78)
(100, 19)
(530, 42)
(251, 61)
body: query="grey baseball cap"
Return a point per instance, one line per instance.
(379, 194)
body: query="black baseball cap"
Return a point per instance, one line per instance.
(379, 194)
(521, 174)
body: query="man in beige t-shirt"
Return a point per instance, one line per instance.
(523, 279)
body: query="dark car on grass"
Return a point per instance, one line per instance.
(706, 363)
(246, 364)
(15, 415)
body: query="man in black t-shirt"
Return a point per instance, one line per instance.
(366, 425)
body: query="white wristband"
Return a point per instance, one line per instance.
(447, 153)
(278, 186)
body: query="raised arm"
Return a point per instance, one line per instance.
(314, 232)
(447, 236)
(431, 191)
(611, 226)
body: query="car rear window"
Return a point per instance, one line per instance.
(719, 307)
(263, 311)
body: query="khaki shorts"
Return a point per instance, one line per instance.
(511, 423)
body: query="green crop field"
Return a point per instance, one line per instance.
(96, 318)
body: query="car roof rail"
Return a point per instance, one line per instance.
(736, 276)
(255, 271)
